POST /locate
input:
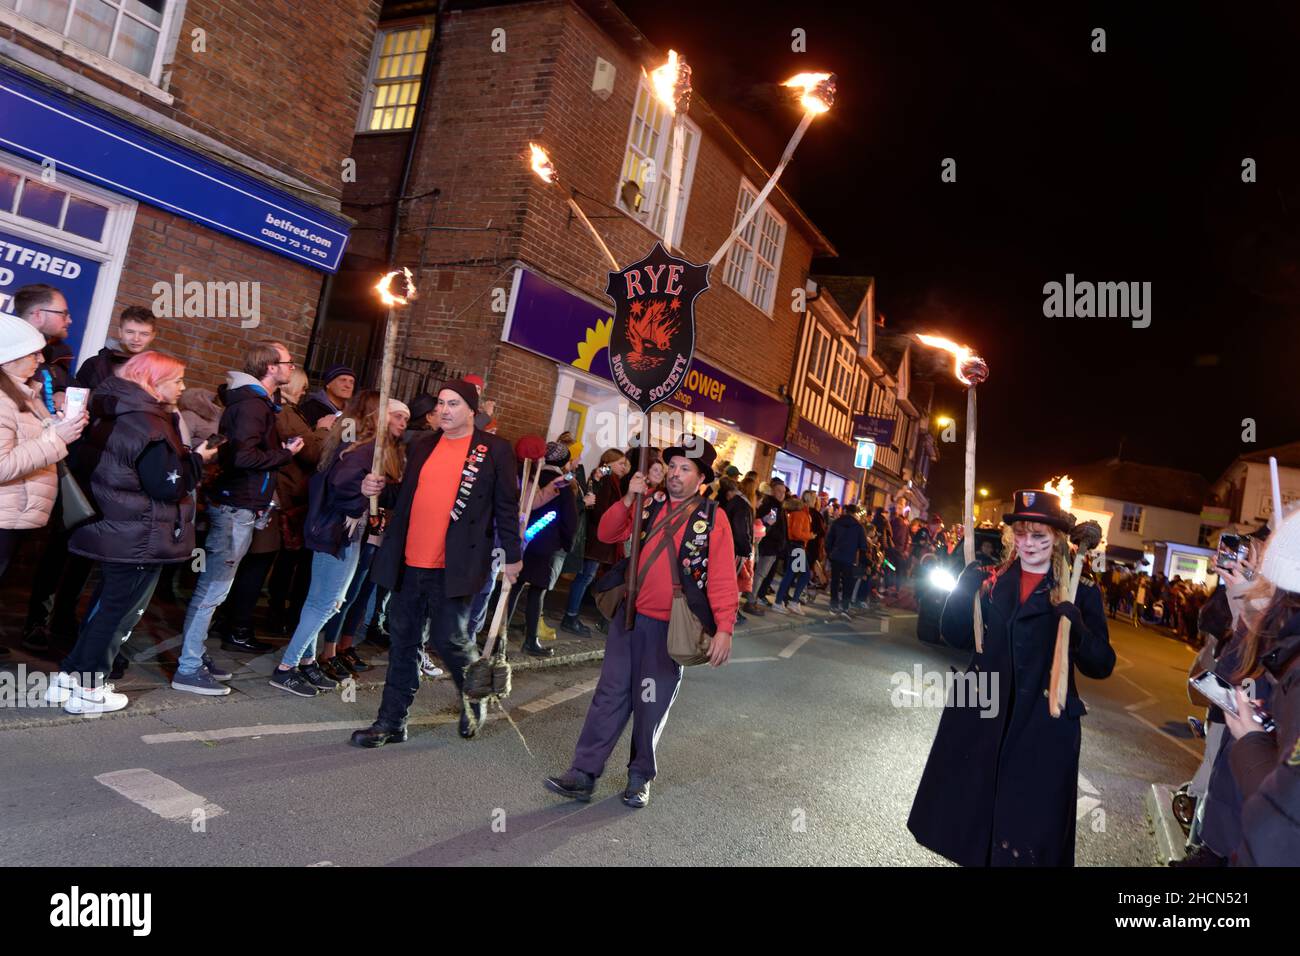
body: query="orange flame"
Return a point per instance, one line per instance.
(671, 81)
(386, 294)
(818, 90)
(542, 164)
(961, 353)
(1063, 489)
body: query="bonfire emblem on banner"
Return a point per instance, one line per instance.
(652, 340)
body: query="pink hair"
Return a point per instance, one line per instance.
(150, 368)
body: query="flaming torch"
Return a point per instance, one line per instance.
(817, 96)
(391, 299)
(672, 86)
(545, 170)
(970, 370)
(1086, 536)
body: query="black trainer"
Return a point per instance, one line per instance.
(376, 735)
(573, 784)
(242, 641)
(293, 682)
(637, 794)
(317, 676)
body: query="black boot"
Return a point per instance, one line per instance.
(573, 784)
(534, 649)
(572, 625)
(377, 735)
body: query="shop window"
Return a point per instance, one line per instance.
(755, 259)
(27, 197)
(1131, 520)
(645, 177)
(127, 32)
(393, 87)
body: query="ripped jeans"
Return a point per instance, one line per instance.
(230, 532)
(330, 577)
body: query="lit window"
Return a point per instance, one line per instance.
(128, 32)
(644, 178)
(755, 258)
(1131, 520)
(396, 66)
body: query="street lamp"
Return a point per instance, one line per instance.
(984, 492)
(943, 421)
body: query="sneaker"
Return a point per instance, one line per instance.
(62, 686)
(795, 608)
(91, 701)
(200, 682)
(779, 608)
(353, 661)
(427, 667)
(218, 673)
(317, 677)
(293, 682)
(334, 669)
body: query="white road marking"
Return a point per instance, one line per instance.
(751, 660)
(794, 645)
(271, 730)
(157, 794)
(559, 697)
(1147, 701)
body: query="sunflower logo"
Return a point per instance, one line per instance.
(597, 339)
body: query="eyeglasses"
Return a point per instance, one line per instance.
(63, 312)
(287, 364)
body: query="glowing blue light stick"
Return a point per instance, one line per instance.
(538, 525)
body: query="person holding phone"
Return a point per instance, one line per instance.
(603, 491)
(141, 477)
(1264, 763)
(31, 441)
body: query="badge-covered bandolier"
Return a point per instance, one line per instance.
(692, 556)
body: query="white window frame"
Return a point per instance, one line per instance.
(842, 390)
(820, 350)
(372, 85)
(746, 246)
(1125, 517)
(150, 83)
(655, 169)
(109, 252)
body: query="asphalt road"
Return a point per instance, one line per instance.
(794, 754)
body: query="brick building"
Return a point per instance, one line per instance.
(179, 141)
(511, 283)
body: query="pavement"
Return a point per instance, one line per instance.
(805, 750)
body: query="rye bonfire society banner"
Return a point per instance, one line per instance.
(652, 340)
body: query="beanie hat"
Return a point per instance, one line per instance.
(464, 389)
(335, 371)
(1282, 559)
(475, 380)
(422, 405)
(18, 338)
(557, 454)
(395, 406)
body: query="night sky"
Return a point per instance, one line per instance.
(1116, 166)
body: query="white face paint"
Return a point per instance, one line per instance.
(1034, 546)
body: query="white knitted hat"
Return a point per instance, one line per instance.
(1282, 559)
(18, 338)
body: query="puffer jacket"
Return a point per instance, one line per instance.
(29, 452)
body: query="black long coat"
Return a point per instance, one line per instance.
(1002, 790)
(492, 507)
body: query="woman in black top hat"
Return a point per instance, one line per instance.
(1000, 786)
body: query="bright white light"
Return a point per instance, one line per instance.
(942, 579)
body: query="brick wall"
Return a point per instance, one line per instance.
(280, 80)
(163, 244)
(482, 112)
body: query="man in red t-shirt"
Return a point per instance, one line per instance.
(459, 490)
(638, 679)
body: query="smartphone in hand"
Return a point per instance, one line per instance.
(75, 402)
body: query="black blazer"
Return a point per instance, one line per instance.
(492, 509)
